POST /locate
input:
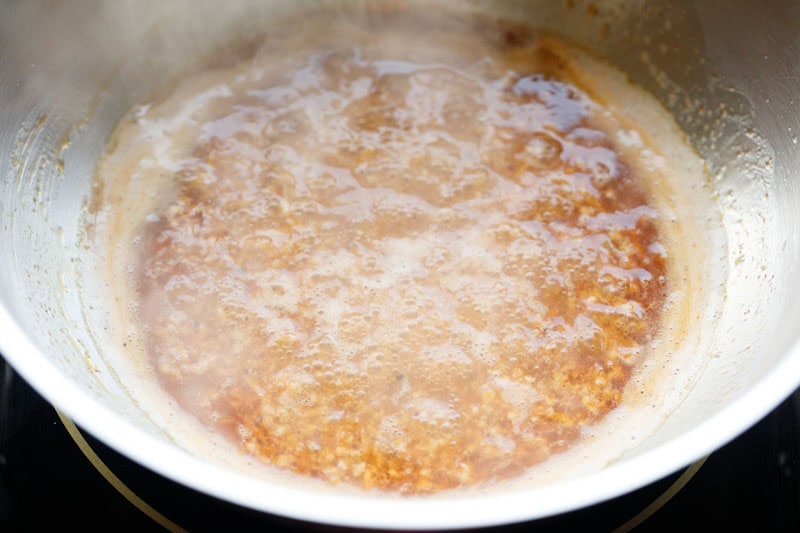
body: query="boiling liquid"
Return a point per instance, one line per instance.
(395, 259)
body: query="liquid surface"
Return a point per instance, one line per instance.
(410, 264)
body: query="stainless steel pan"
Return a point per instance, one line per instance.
(728, 70)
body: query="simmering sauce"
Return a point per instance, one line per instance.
(409, 262)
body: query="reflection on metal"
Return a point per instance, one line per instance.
(113, 480)
(662, 500)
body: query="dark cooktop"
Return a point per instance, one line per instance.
(52, 473)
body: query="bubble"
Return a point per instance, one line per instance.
(545, 149)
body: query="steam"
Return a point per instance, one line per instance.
(143, 45)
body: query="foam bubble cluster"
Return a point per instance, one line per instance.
(403, 274)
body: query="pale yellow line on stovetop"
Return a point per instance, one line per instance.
(113, 480)
(662, 500)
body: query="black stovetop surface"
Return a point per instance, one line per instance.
(54, 474)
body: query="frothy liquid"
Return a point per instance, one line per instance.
(410, 262)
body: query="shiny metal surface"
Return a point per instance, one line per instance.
(729, 71)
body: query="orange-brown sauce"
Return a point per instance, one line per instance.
(400, 272)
